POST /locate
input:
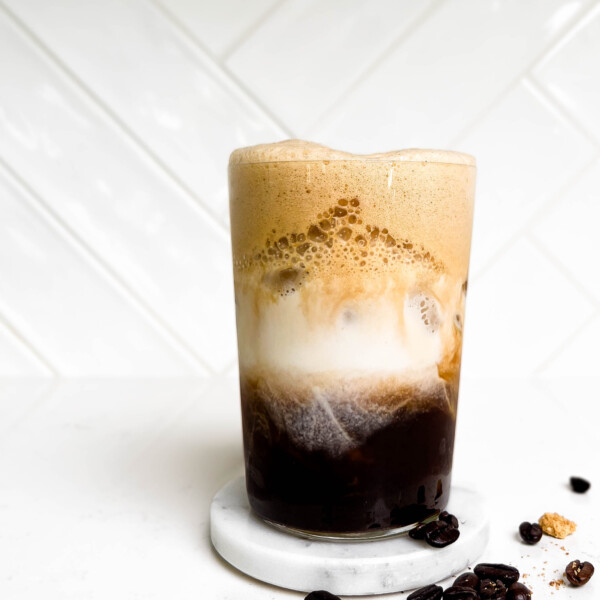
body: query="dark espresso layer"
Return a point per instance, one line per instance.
(396, 475)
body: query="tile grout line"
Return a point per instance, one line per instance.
(249, 31)
(553, 104)
(52, 220)
(230, 368)
(539, 369)
(540, 56)
(577, 285)
(219, 71)
(280, 125)
(376, 62)
(539, 382)
(8, 325)
(532, 238)
(115, 120)
(546, 205)
(587, 14)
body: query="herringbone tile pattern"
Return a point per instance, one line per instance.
(117, 118)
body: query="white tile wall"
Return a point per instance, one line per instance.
(444, 74)
(302, 60)
(117, 117)
(528, 154)
(569, 230)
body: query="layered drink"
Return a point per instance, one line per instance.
(350, 280)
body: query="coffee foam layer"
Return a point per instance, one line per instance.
(345, 216)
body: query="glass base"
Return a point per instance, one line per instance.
(363, 536)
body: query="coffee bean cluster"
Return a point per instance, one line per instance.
(487, 582)
(440, 533)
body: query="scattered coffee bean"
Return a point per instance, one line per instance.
(579, 573)
(441, 537)
(518, 591)
(429, 592)
(448, 518)
(579, 485)
(492, 590)
(420, 531)
(321, 595)
(469, 580)
(531, 533)
(417, 533)
(457, 592)
(505, 573)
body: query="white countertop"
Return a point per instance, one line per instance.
(105, 485)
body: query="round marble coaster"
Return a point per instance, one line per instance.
(347, 568)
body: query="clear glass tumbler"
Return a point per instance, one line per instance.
(350, 280)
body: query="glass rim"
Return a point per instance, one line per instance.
(300, 152)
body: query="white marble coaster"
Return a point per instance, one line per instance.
(347, 568)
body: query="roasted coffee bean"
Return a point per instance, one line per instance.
(321, 595)
(469, 580)
(448, 518)
(456, 592)
(417, 533)
(579, 573)
(429, 592)
(579, 485)
(420, 531)
(504, 573)
(531, 533)
(492, 590)
(442, 536)
(518, 591)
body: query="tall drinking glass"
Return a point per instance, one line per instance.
(350, 279)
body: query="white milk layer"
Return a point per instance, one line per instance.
(356, 337)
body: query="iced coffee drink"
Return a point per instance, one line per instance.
(350, 280)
